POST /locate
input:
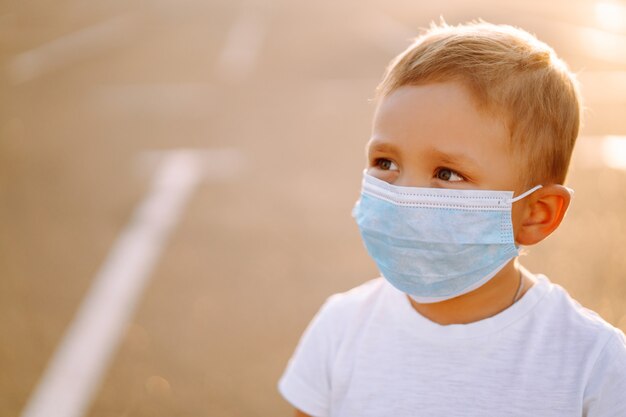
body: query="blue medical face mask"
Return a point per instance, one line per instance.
(433, 243)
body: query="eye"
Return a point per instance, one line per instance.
(385, 164)
(446, 174)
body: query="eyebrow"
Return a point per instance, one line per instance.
(444, 157)
(454, 158)
(378, 146)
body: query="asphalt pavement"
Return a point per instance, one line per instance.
(219, 268)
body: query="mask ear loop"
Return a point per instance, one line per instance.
(527, 193)
(532, 190)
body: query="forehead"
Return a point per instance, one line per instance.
(445, 107)
(441, 119)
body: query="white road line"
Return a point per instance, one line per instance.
(243, 44)
(77, 367)
(69, 49)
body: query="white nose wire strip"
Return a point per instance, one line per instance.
(527, 193)
(490, 198)
(437, 197)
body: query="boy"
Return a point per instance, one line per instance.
(470, 146)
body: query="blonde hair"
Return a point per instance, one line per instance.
(510, 74)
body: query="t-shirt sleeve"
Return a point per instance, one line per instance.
(306, 381)
(605, 394)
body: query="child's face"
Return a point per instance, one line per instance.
(433, 135)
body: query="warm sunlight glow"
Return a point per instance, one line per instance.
(611, 15)
(614, 151)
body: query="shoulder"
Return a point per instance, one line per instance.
(571, 316)
(346, 309)
(582, 327)
(356, 299)
(605, 384)
(306, 382)
(342, 310)
(344, 314)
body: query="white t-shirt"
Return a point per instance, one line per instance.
(369, 353)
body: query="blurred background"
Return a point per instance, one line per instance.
(188, 168)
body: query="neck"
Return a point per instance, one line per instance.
(496, 295)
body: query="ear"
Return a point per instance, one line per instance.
(542, 214)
